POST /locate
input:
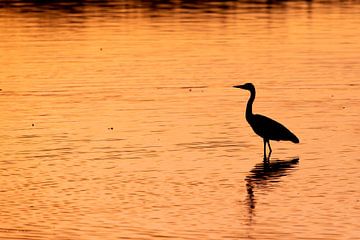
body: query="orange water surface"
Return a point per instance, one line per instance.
(118, 120)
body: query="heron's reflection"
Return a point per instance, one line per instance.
(264, 175)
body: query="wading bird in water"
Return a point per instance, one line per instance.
(263, 126)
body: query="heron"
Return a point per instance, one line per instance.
(263, 126)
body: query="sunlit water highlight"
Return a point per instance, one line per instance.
(119, 121)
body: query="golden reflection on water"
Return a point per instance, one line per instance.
(122, 123)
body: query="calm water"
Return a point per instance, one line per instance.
(118, 120)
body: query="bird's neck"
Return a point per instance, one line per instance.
(250, 102)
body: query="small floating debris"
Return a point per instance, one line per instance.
(101, 49)
(111, 128)
(181, 87)
(194, 87)
(33, 125)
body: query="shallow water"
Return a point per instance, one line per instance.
(118, 120)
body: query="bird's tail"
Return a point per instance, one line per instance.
(294, 139)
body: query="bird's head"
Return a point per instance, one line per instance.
(246, 86)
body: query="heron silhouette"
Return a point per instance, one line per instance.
(265, 127)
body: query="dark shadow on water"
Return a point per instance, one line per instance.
(79, 11)
(265, 176)
(152, 6)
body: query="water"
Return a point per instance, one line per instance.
(118, 120)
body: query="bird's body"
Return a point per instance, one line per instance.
(263, 126)
(270, 129)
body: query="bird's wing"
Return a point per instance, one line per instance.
(271, 129)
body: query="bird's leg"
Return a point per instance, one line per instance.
(265, 150)
(268, 142)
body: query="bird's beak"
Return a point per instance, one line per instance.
(239, 86)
